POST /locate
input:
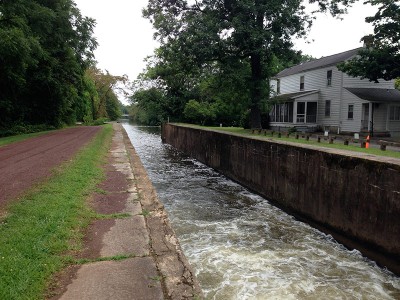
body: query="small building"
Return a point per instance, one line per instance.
(315, 95)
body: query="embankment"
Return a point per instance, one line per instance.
(356, 198)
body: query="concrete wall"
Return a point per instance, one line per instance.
(355, 197)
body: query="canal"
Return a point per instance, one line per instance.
(241, 246)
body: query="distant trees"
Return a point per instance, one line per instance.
(381, 56)
(240, 41)
(106, 86)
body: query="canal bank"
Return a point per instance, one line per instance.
(132, 251)
(355, 197)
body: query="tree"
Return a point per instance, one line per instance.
(380, 59)
(106, 86)
(44, 50)
(148, 106)
(254, 31)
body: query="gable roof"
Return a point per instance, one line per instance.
(331, 60)
(376, 95)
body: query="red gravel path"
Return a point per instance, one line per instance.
(26, 163)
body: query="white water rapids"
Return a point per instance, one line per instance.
(241, 246)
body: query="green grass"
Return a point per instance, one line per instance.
(338, 144)
(16, 138)
(42, 229)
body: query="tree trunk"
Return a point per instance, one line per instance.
(256, 91)
(256, 86)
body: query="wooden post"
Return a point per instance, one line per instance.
(331, 140)
(363, 144)
(319, 139)
(307, 137)
(346, 142)
(383, 147)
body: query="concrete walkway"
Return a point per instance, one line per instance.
(131, 253)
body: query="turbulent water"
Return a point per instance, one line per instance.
(241, 246)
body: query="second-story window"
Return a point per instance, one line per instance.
(278, 86)
(329, 78)
(302, 83)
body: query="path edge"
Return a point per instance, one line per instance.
(178, 277)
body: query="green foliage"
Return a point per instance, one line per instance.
(105, 102)
(99, 121)
(397, 83)
(202, 40)
(44, 50)
(380, 58)
(199, 113)
(149, 106)
(24, 129)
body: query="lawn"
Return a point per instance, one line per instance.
(337, 144)
(41, 230)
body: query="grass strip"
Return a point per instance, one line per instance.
(84, 261)
(46, 224)
(17, 138)
(324, 144)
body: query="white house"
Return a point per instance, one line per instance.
(315, 95)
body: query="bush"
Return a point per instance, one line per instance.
(99, 121)
(199, 113)
(245, 120)
(18, 129)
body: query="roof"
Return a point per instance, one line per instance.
(376, 95)
(292, 96)
(331, 60)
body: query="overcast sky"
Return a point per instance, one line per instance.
(125, 38)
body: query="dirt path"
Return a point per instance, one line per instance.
(26, 163)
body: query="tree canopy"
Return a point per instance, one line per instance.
(380, 58)
(250, 34)
(44, 51)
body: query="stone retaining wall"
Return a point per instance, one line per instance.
(353, 197)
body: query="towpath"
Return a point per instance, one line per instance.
(130, 253)
(27, 163)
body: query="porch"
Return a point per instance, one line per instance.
(297, 110)
(381, 114)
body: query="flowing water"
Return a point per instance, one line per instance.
(241, 246)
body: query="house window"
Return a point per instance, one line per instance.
(282, 113)
(329, 78)
(301, 83)
(350, 112)
(327, 108)
(394, 113)
(278, 86)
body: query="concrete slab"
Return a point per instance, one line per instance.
(135, 278)
(133, 207)
(127, 236)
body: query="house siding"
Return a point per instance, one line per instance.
(340, 98)
(316, 80)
